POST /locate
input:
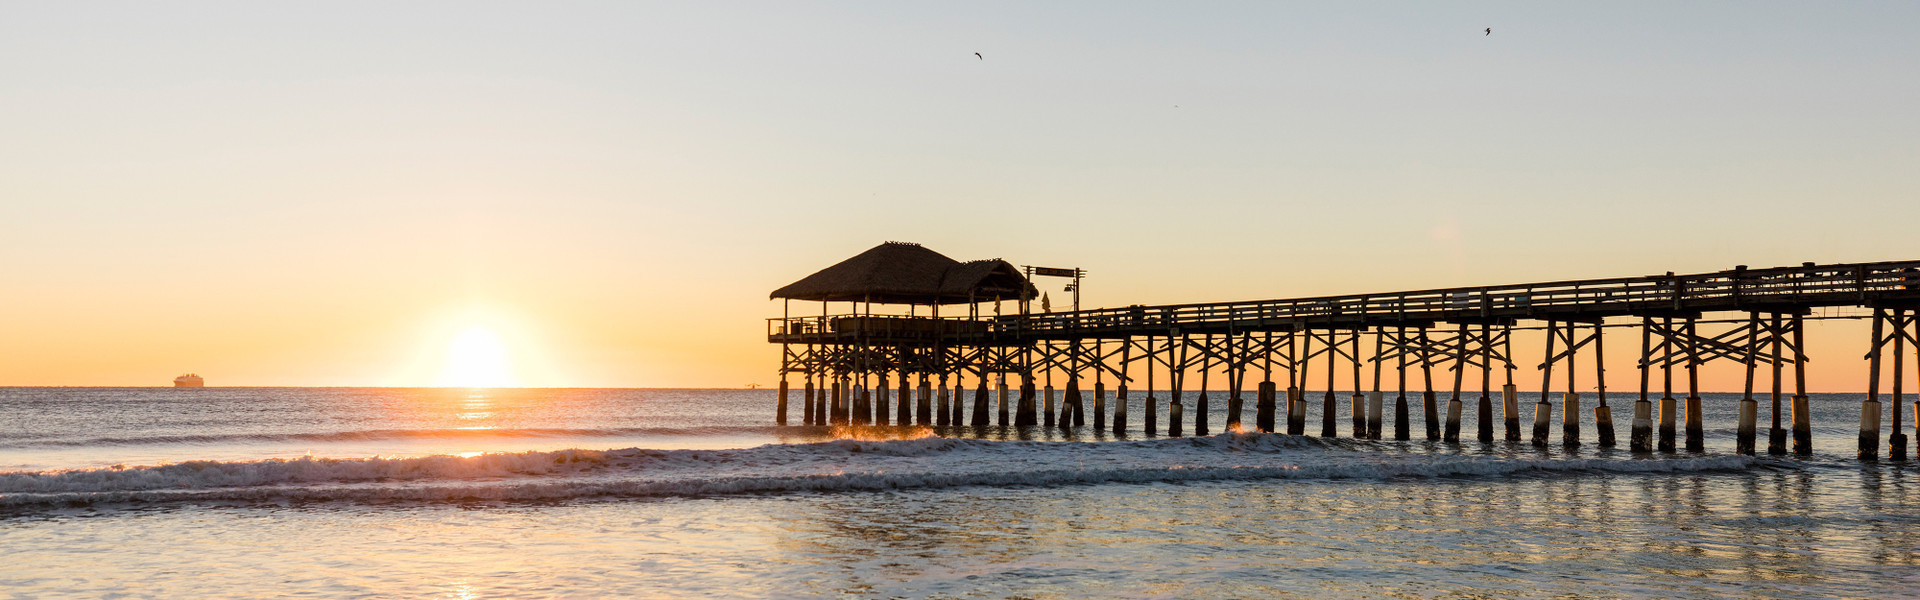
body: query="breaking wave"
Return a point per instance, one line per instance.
(390, 434)
(838, 465)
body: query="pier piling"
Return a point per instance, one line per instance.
(1263, 408)
(981, 399)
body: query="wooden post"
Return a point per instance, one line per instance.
(1329, 407)
(1870, 409)
(1667, 432)
(1072, 400)
(1749, 409)
(1359, 393)
(880, 399)
(1776, 435)
(1150, 421)
(1297, 393)
(1176, 377)
(980, 401)
(1235, 371)
(905, 414)
(1570, 412)
(1802, 419)
(1640, 439)
(1510, 410)
(821, 414)
(807, 416)
(1429, 404)
(1263, 411)
(1005, 398)
(1696, 428)
(862, 405)
(1483, 415)
(1099, 406)
(1543, 410)
(840, 408)
(1120, 392)
(780, 411)
(1459, 371)
(1602, 414)
(1200, 405)
(1024, 416)
(1402, 430)
(1897, 441)
(923, 410)
(1046, 408)
(959, 404)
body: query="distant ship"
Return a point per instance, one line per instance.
(189, 380)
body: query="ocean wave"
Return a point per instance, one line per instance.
(839, 465)
(390, 434)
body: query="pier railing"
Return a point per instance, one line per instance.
(1783, 289)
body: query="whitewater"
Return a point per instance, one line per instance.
(845, 464)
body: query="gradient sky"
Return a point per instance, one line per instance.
(327, 193)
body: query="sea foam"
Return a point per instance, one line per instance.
(838, 465)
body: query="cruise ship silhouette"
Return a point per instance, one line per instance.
(189, 380)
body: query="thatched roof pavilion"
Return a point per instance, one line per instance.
(905, 273)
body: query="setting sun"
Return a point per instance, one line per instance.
(477, 358)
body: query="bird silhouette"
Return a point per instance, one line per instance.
(977, 55)
(1489, 32)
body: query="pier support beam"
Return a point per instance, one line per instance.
(1296, 411)
(1777, 433)
(780, 415)
(863, 411)
(1696, 428)
(1070, 406)
(959, 405)
(923, 410)
(1263, 407)
(1897, 441)
(1602, 414)
(1870, 408)
(1802, 420)
(1120, 409)
(1046, 409)
(1570, 424)
(1024, 416)
(981, 399)
(1747, 425)
(841, 411)
(1005, 399)
(881, 398)
(1099, 406)
(1510, 410)
(905, 414)
(1640, 438)
(1376, 403)
(807, 397)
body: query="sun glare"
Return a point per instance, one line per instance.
(477, 358)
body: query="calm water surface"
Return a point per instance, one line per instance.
(647, 493)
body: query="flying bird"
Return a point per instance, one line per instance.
(1489, 32)
(977, 55)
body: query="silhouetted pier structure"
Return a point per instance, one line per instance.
(851, 361)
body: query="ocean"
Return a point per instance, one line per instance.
(634, 493)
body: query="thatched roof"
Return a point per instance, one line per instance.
(902, 273)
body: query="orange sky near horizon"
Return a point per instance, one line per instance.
(340, 195)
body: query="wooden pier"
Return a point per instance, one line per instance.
(850, 361)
